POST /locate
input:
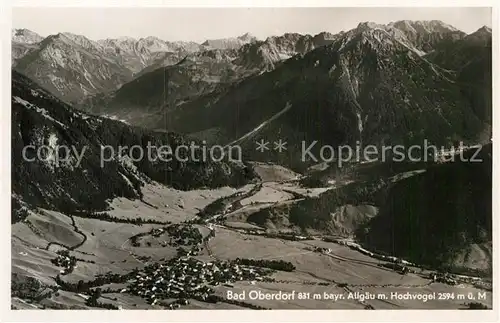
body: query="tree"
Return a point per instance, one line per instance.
(477, 306)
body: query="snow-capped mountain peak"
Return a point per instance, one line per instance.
(247, 38)
(229, 43)
(80, 40)
(368, 25)
(423, 26)
(483, 34)
(485, 30)
(25, 36)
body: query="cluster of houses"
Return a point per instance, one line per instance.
(186, 277)
(65, 260)
(323, 250)
(444, 278)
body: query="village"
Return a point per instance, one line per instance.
(187, 278)
(174, 282)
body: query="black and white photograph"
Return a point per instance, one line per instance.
(321, 158)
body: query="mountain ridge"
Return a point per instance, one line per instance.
(363, 66)
(40, 119)
(136, 56)
(364, 157)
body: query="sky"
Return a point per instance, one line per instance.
(199, 24)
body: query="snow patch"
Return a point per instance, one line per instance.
(55, 55)
(262, 125)
(85, 91)
(353, 87)
(42, 111)
(87, 76)
(34, 93)
(360, 122)
(50, 153)
(127, 162)
(127, 180)
(57, 81)
(405, 175)
(113, 117)
(284, 56)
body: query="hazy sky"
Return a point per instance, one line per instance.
(208, 23)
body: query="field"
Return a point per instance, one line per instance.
(321, 279)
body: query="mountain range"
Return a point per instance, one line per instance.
(81, 181)
(370, 84)
(127, 56)
(398, 83)
(72, 58)
(401, 83)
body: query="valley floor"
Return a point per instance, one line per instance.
(327, 275)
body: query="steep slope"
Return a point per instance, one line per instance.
(139, 54)
(366, 86)
(455, 56)
(69, 65)
(228, 43)
(23, 41)
(482, 35)
(441, 227)
(427, 35)
(19, 50)
(424, 36)
(25, 36)
(83, 180)
(72, 66)
(470, 59)
(269, 53)
(384, 209)
(161, 59)
(144, 101)
(147, 99)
